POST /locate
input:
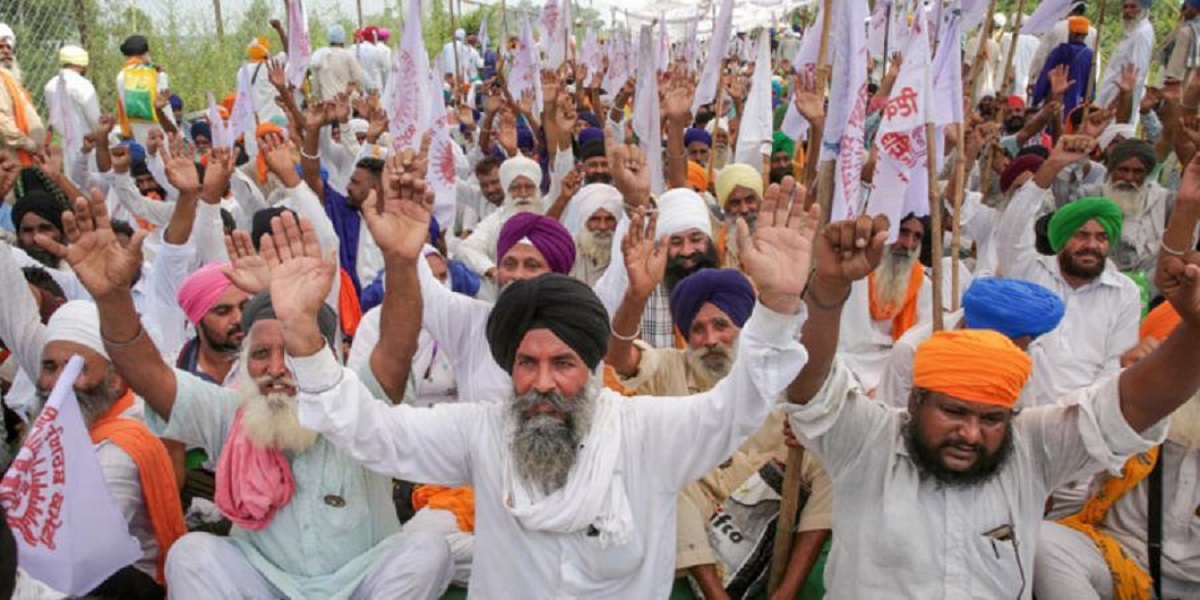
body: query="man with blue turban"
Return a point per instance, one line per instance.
(709, 308)
(1020, 310)
(698, 143)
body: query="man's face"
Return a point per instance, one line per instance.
(489, 186)
(265, 359)
(362, 181)
(203, 145)
(1131, 170)
(1084, 253)
(909, 241)
(602, 222)
(1130, 9)
(221, 326)
(31, 225)
(781, 166)
(438, 266)
(711, 339)
(546, 364)
(958, 441)
(98, 385)
(742, 202)
(7, 57)
(521, 262)
(697, 152)
(595, 170)
(523, 192)
(147, 185)
(687, 253)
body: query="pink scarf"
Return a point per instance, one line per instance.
(252, 482)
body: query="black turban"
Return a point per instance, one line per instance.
(41, 202)
(562, 304)
(135, 45)
(260, 308)
(260, 223)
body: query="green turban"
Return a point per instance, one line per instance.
(782, 143)
(1071, 217)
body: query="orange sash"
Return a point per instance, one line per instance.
(1160, 322)
(904, 316)
(19, 98)
(154, 470)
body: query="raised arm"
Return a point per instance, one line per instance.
(646, 263)
(107, 269)
(677, 104)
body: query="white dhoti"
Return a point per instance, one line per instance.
(462, 545)
(201, 565)
(1069, 566)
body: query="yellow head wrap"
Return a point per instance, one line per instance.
(736, 175)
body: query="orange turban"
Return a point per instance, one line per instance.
(697, 176)
(976, 365)
(1160, 322)
(1078, 25)
(259, 49)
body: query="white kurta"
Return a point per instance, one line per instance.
(664, 444)
(865, 343)
(1136, 48)
(901, 534)
(1101, 319)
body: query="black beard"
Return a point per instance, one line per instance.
(777, 174)
(985, 468)
(676, 271)
(599, 177)
(1069, 267)
(41, 255)
(225, 347)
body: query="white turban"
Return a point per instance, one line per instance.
(519, 166)
(589, 199)
(460, 34)
(682, 209)
(1110, 134)
(6, 33)
(357, 126)
(77, 321)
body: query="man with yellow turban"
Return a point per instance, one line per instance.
(950, 492)
(1103, 306)
(739, 192)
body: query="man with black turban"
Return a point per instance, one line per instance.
(1143, 202)
(575, 486)
(38, 210)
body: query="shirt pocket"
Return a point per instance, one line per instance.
(998, 552)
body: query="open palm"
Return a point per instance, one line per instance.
(645, 257)
(779, 254)
(300, 277)
(98, 259)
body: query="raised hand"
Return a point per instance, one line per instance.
(570, 186)
(162, 100)
(341, 108)
(677, 100)
(181, 172)
(1128, 78)
(630, 175)
(51, 160)
(1060, 81)
(217, 175)
(1071, 148)
(276, 76)
(104, 127)
(645, 255)
(565, 115)
(808, 100)
(277, 155)
(850, 250)
(119, 155)
(778, 257)
(1097, 120)
(300, 276)
(248, 270)
(399, 221)
(97, 258)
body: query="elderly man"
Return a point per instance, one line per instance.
(1181, 56)
(575, 486)
(591, 217)
(960, 466)
(1077, 57)
(1021, 310)
(519, 178)
(710, 307)
(1143, 202)
(1136, 49)
(82, 106)
(479, 197)
(20, 126)
(882, 307)
(1103, 306)
(334, 68)
(286, 489)
(739, 192)
(698, 144)
(139, 83)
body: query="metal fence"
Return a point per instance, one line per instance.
(41, 28)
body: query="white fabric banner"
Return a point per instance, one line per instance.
(647, 120)
(1045, 16)
(794, 125)
(756, 124)
(70, 533)
(847, 114)
(241, 118)
(525, 75)
(947, 70)
(65, 119)
(552, 34)
(299, 50)
(710, 77)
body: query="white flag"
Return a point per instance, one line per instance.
(590, 56)
(877, 29)
(552, 34)
(484, 40)
(1045, 16)
(299, 50)
(64, 119)
(222, 131)
(710, 78)
(843, 135)
(407, 96)
(947, 69)
(647, 121)
(241, 118)
(794, 125)
(620, 62)
(755, 131)
(70, 533)
(525, 74)
(973, 13)
(901, 139)
(663, 55)
(440, 172)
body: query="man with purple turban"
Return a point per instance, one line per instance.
(520, 178)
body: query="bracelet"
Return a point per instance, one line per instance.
(807, 293)
(141, 332)
(680, 156)
(1169, 250)
(309, 156)
(636, 334)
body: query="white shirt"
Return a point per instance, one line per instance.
(864, 342)
(1137, 49)
(84, 107)
(1101, 319)
(901, 534)
(664, 445)
(376, 59)
(264, 94)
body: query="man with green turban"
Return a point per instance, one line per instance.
(782, 149)
(1103, 306)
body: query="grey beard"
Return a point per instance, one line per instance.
(1130, 198)
(93, 402)
(545, 447)
(272, 421)
(710, 365)
(891, 280)
(596, 248)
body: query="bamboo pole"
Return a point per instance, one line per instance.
(454, 44)
(984, 36)
(220, 20)
(935, 218)
(789, 504)
(815, 132)
(960, 176)
(1092, 74)
(985, 174)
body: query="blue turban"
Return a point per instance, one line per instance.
(589, 134)
(137, 152)
(1013, 307)
(589, 117)
(697, 135)
(524, 138)
(201, 128)
(727, 289)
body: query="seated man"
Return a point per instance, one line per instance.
(520, 178)
(308, 522)
(592, 218)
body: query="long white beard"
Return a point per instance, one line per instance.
(532, 203)
(596, 248)
(1128, 26)
(14, 69)
(273, 421)
(709, 370)
(545, 447)
(891, 277)
(1130, 198)
(1185, 424)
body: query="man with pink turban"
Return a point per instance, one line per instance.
(214, 307)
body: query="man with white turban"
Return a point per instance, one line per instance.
(334, 68)
(520, 178)
(592, 217)
(469, 60)
(20, 125)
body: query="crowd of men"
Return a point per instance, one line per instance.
(307, 375)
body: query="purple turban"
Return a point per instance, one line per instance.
(589, 134)
(545, 233)
(697, 135)
(727, 289)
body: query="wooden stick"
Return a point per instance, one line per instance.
(789, 505)
(985, 173)
(823, 71)
(984, 36)
(1092, 74)
(454, 44)
(935, 225)
(960, 176)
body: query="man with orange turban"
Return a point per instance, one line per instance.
(255, 70)
(952, 489)
(1076, 56)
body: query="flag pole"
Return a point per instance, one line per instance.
(985, 173)
(814, 133)
(789, 505)
(984, 36)
(1092, 74)
(454, 45)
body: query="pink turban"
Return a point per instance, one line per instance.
(545, 233)
(201, 290)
